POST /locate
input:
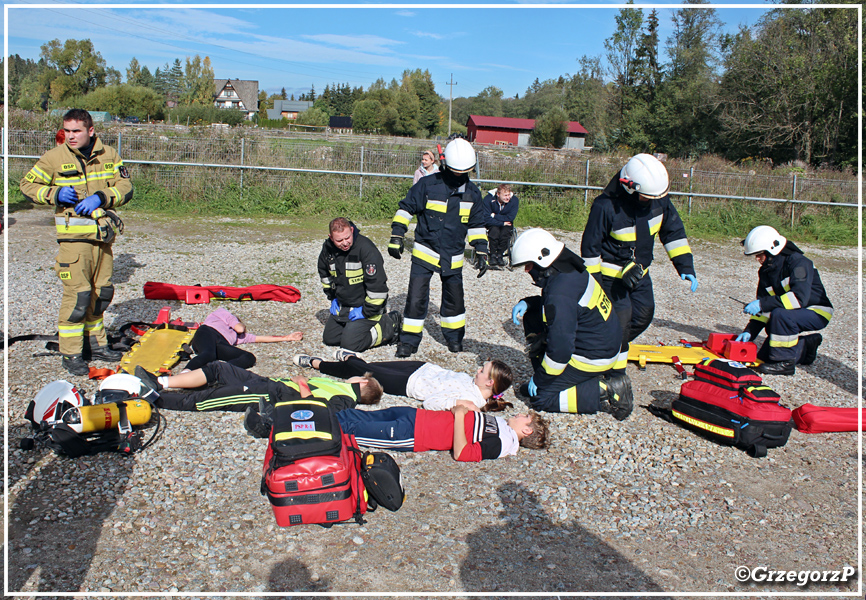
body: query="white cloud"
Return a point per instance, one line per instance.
(365, 43)
(405, 13)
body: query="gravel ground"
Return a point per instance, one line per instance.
(636, 506)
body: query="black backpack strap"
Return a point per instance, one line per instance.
(65, 440)
(758, 451)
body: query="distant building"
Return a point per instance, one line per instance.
(340, 124)
(237, 94)
(288, 109)
(504, 131)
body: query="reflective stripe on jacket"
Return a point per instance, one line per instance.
(64, 166)
(620, 229)
(447, 218)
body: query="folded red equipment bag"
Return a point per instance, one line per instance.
(825, 419)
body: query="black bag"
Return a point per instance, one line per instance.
(304, 428)
(382, 479)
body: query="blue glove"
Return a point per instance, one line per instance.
(356, 313)
(753, 308)
(335, 307)
(744, 337)
(531, 387)
(691, 278)
(67, 195)
(88, 205)
(518, 311)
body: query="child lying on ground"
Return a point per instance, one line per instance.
(437, 388)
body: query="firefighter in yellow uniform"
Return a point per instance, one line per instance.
(84, 180)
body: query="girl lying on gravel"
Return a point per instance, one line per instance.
(218, 337)
(437, 388)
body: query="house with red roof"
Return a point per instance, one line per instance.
(505, 131)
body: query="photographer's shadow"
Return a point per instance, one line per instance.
(529, 553)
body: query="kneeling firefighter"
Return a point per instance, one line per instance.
(67, 422)
(790, 303)
(572, 333)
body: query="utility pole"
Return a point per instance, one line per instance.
(452, 83)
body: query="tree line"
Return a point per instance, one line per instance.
(784, 90)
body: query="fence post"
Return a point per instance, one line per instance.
(242, 171)
(119, 140)
(691, 178)
(478, 167)
(793, 197)
(361, 183)
(586, 183)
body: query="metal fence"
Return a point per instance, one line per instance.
(176, 161)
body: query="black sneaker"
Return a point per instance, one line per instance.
(149, 383)
(254, 424)
(105, 353)
(616, 396)
(810, 352)
(405, 350)
(75, 364)
(455, 347)
(783, 367)
(341, 354)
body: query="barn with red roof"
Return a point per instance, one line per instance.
(505, 131)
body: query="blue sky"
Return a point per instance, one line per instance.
(507, 46)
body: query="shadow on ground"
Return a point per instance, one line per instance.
(529, 553)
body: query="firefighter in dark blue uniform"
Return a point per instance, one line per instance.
(448, 208)
(353, 279)
(791, 303)
(617, 243)
(572, 333)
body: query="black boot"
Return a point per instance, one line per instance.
(105, 353)
(405, 350)
(455, 347)
(810, 352)
(616, 396)
(74, 364)
(783, 367)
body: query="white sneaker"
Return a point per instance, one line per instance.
(342, 354)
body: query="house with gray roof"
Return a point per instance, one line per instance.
(237, 94)
(288, 109)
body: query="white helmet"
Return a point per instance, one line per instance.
(645, 174)
(537, 246)
(118, 387)
(52, 401)
(763, 238)
(459, 156)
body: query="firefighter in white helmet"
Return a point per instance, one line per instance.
(617, 243)
(449, 211)
(790, 303)
(573, 337)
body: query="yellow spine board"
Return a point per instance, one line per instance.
(157, 350)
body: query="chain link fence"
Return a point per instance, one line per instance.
(194, 166)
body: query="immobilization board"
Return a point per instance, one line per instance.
(644, 353)
(157, 350)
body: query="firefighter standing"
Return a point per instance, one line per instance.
(354, 280)
(84, 180)
(617, 243)
(448, 207)
(790, 303)
(573, 337)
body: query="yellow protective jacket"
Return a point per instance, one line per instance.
(103, 174)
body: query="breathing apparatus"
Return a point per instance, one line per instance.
(69, 423)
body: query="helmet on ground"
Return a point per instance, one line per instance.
(646, 175)
(459, 156)
(118, 387)
(52, 401)
(763, 238)
(537, 246)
